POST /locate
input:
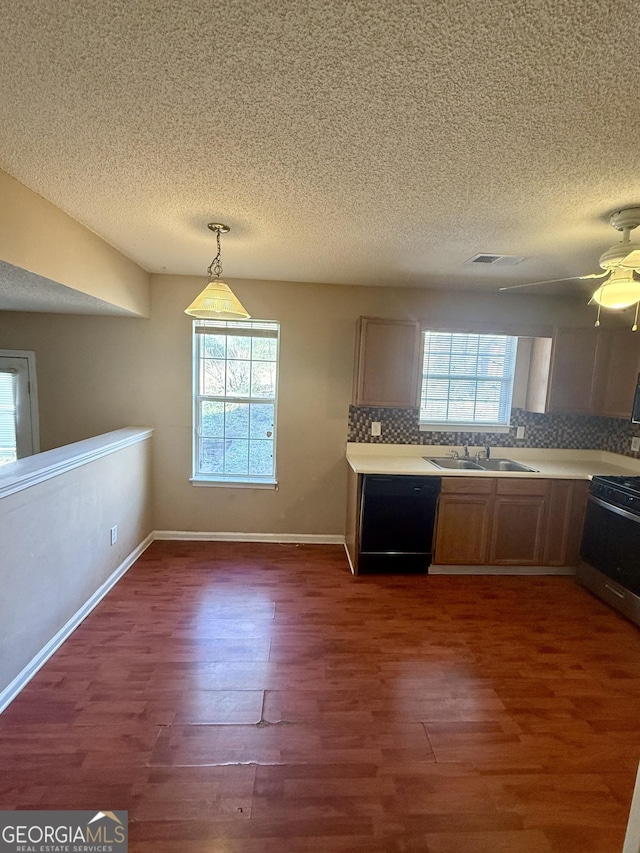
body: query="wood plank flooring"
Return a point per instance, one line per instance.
(242, 698)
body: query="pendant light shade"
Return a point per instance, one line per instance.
(217, 301)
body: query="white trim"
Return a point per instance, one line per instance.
(199, 482)
(32, 470)
(632, 836)
(215, 536)
(346, 550)
(23, 678)
(451, 426)
(435, 569)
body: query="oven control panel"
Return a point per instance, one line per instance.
(625, 493)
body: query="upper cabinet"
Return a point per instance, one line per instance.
(584, 371)
(621, 375)
(387, 363)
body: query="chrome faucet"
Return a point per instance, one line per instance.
(465, 450)
(454, 454)
(486, 452)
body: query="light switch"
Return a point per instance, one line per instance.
(376, 428)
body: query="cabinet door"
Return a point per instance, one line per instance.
(462, 531)
(387, 363)
(576, 357)
(517, 533)
(567, 501)
(622, 373)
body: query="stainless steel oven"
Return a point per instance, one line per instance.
(610, 548)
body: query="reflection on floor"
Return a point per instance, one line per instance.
(242, 698)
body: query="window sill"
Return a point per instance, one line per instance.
(453, 427)
(233, 484)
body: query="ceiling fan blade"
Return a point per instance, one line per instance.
(632, 261)
(550, 281)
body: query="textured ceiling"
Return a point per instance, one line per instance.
(350, 142)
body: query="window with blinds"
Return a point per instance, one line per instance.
(467, 379)
(235, 401)
(8, 417)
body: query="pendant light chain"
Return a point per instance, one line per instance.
(215, 267)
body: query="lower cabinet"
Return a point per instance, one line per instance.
(509, 521)
(464, 521)
(517, 529)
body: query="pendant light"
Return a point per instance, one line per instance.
(217, 301)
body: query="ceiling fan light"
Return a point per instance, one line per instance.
(620, 291)
(631, 261)
(217, 302)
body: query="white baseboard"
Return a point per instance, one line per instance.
(23, 678)
(214, 536)
(501, 570)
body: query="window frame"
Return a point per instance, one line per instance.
(461, 425)
(251, 481)
(27, 416)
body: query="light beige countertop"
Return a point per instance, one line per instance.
(550, 463)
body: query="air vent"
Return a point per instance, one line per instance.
(484, 259)
(498, 260)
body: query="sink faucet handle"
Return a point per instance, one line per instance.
(487, 451)
(454, 454)
(465, 450)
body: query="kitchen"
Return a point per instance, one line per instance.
(362, 157)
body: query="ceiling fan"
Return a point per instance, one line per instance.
(621, 262)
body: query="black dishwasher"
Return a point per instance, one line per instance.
(397, 516)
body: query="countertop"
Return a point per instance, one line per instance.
(550, 463)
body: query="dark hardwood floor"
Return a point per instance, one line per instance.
(259, 699)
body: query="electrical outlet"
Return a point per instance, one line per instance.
(520, 432)
(114, 534)
(635, 444)
(376, 428)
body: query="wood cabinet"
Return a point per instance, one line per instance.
(566, 503)
(464, 521)
(584, 371)
(621, 374)
(386, 363)
(517, 530)
(509, 521)
(565, 372)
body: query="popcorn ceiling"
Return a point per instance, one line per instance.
(346, 142)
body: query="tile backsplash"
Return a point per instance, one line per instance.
(578, 432)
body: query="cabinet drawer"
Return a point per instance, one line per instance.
(517, 486)
(467, 485)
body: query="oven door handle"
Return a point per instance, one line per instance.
(617, 509)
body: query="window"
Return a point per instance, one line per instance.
(18, 406)
(467, 380)
(235, 397)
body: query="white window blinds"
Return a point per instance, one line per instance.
(236, 378)
(467, 379)
(8, 413)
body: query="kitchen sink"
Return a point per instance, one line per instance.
(503, 465)
(480, 465)
(447, 462)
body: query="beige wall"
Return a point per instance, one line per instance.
(100, 373)
(56, 551)
(37, 236)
